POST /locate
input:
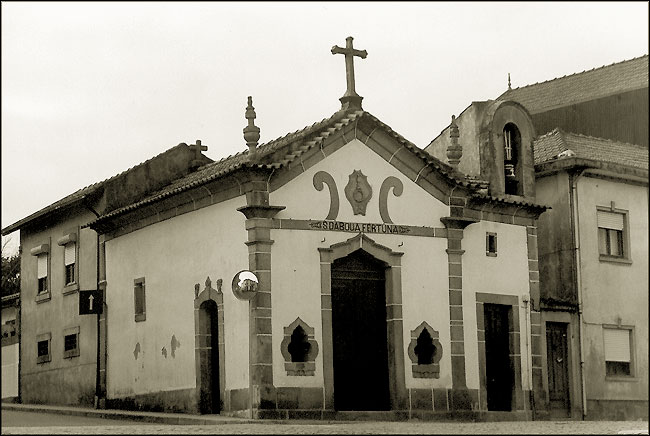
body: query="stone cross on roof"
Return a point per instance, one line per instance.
(350, 95)
(197, 149)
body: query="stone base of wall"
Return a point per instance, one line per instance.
(73, 386)
(236, 400)
(393, 415)
(617, 410)
(178, 401)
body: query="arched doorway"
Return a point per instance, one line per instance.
(359, 333)
(209, 399)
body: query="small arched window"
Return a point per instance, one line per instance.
(511, 151)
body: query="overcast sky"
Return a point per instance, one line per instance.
(92, 89)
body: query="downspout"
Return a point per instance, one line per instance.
(97, 372)
(576, 241)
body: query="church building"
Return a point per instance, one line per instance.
(334, 271)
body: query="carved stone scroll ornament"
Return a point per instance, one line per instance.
(321, 178)
(398, 188)
(358, 192)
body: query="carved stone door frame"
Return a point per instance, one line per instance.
(396, 374)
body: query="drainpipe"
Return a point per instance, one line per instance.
(576, 240)
(529, 366)
(97, 373)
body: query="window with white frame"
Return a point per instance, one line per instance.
(70, 262)
(42, 273)
(43, 353)
(611, 234)
(71, 342)
(618, 351)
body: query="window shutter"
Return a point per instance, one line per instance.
(609, 220)
(69, 253)
(42, 266)
(617, 345)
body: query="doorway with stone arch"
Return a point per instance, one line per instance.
(359, 276)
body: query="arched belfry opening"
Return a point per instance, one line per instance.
(511, 159)
(360, 348)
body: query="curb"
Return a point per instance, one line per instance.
(146, 417)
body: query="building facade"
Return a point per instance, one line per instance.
(590, 134)
(366, 302)
(10, 345)
(58, 346)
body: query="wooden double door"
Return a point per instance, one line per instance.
(359, 333)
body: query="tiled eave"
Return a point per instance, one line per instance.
(613, 169)
(60, 205)
(483, 199)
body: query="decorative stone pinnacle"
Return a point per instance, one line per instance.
(509, 88)
(455, 150)
(350, 98)
(251, 132)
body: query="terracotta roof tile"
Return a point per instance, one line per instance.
(284, 150)
(580, 87)
(549, 146)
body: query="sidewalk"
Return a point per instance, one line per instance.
(148, 417)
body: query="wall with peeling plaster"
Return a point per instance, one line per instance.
(173, 255)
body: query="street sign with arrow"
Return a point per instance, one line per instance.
(90, 302)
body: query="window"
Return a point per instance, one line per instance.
(612, 238)
(69, 261)
(71, 342)
(491, 244)
(139, 299)
(42, 273)
(43, 348)
(618, 356)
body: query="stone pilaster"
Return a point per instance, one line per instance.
(538, 395)
(460, 397)
(258, 214)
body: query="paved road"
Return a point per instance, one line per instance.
(40, 423)
(12, 418)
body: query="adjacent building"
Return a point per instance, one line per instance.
(60, 257)
(591, 166)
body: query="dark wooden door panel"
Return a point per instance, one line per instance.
(359, 334)
(557, 367)
(499, 371)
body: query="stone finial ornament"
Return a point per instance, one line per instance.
(509, 87)
(251, 132)
(455, 150)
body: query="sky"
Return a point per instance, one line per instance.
(90, 89)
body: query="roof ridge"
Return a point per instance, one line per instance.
(605, 140)
(573, 74)
(555, 131)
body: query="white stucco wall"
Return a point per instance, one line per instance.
(172, 256)
(296, 277)
(505, 274)
(613, 291)
(303, 201)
